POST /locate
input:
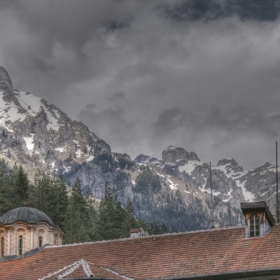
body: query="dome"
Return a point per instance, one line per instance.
(26, 214)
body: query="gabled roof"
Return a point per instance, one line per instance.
(209, 252)
(81, 269)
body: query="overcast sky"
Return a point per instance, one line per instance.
(142, 75)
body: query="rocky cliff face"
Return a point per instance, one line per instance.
(175, 189)
(39, 135)
(178, 156)
(230, 183)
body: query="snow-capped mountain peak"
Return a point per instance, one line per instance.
(178, 155)
(46, 134)
(25, 104)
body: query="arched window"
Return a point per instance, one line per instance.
(254, 226)
(20, 243)
(2, 247)
(40, 241)
(56, 239)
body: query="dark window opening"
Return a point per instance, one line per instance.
(40, 241)
(254, 226)
(56, 240)
(2, 247)
(20, 245)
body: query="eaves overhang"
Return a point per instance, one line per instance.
(257, 274)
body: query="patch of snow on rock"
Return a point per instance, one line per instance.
(52, 121)
(6, 127)
(61, 149)
(29, 142)
(9, 112)
(225, 169)
(249, 196)
(172, 185)
(90, 158)
(171, 148)
(203, 189)
(13, 115)
(30, 102)
(66, 169)
(190, 166)
(216, 193)
(57, 114)
(78, 153)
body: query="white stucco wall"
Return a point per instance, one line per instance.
(30, 236)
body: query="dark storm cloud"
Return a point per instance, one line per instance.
(48, 38)
(115, 128)
(260, 10)
(113, 121)
(152, 70)
(220, 133)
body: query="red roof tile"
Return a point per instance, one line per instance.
(163, 256)
(136, 230)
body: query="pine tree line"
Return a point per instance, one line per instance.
(82, 218)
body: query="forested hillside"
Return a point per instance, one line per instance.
(82, 218)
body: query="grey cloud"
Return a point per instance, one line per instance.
(246, 133)
(172, 119)
(214, 9)
(153, 78)
(118, 98)
(112, 126)
(49, 39)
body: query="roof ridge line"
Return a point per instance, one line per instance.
(142, 237)
(61, 269)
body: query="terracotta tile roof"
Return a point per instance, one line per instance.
(153, 257)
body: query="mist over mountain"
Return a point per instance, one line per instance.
(199, 74)
(174, 189)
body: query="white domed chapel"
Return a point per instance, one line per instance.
(24, 228)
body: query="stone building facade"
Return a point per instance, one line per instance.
(24, 228)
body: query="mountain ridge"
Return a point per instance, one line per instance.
(174, 189)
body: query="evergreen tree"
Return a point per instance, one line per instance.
(92, 215)
(115, 221)
(60, 202)
(156, 228)
(147, 182)
(105, 223)
(82, 218)
(76, 216)
(21, 185)
(8, 200)
(49, 195)
(130, 222)
(78, 198)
